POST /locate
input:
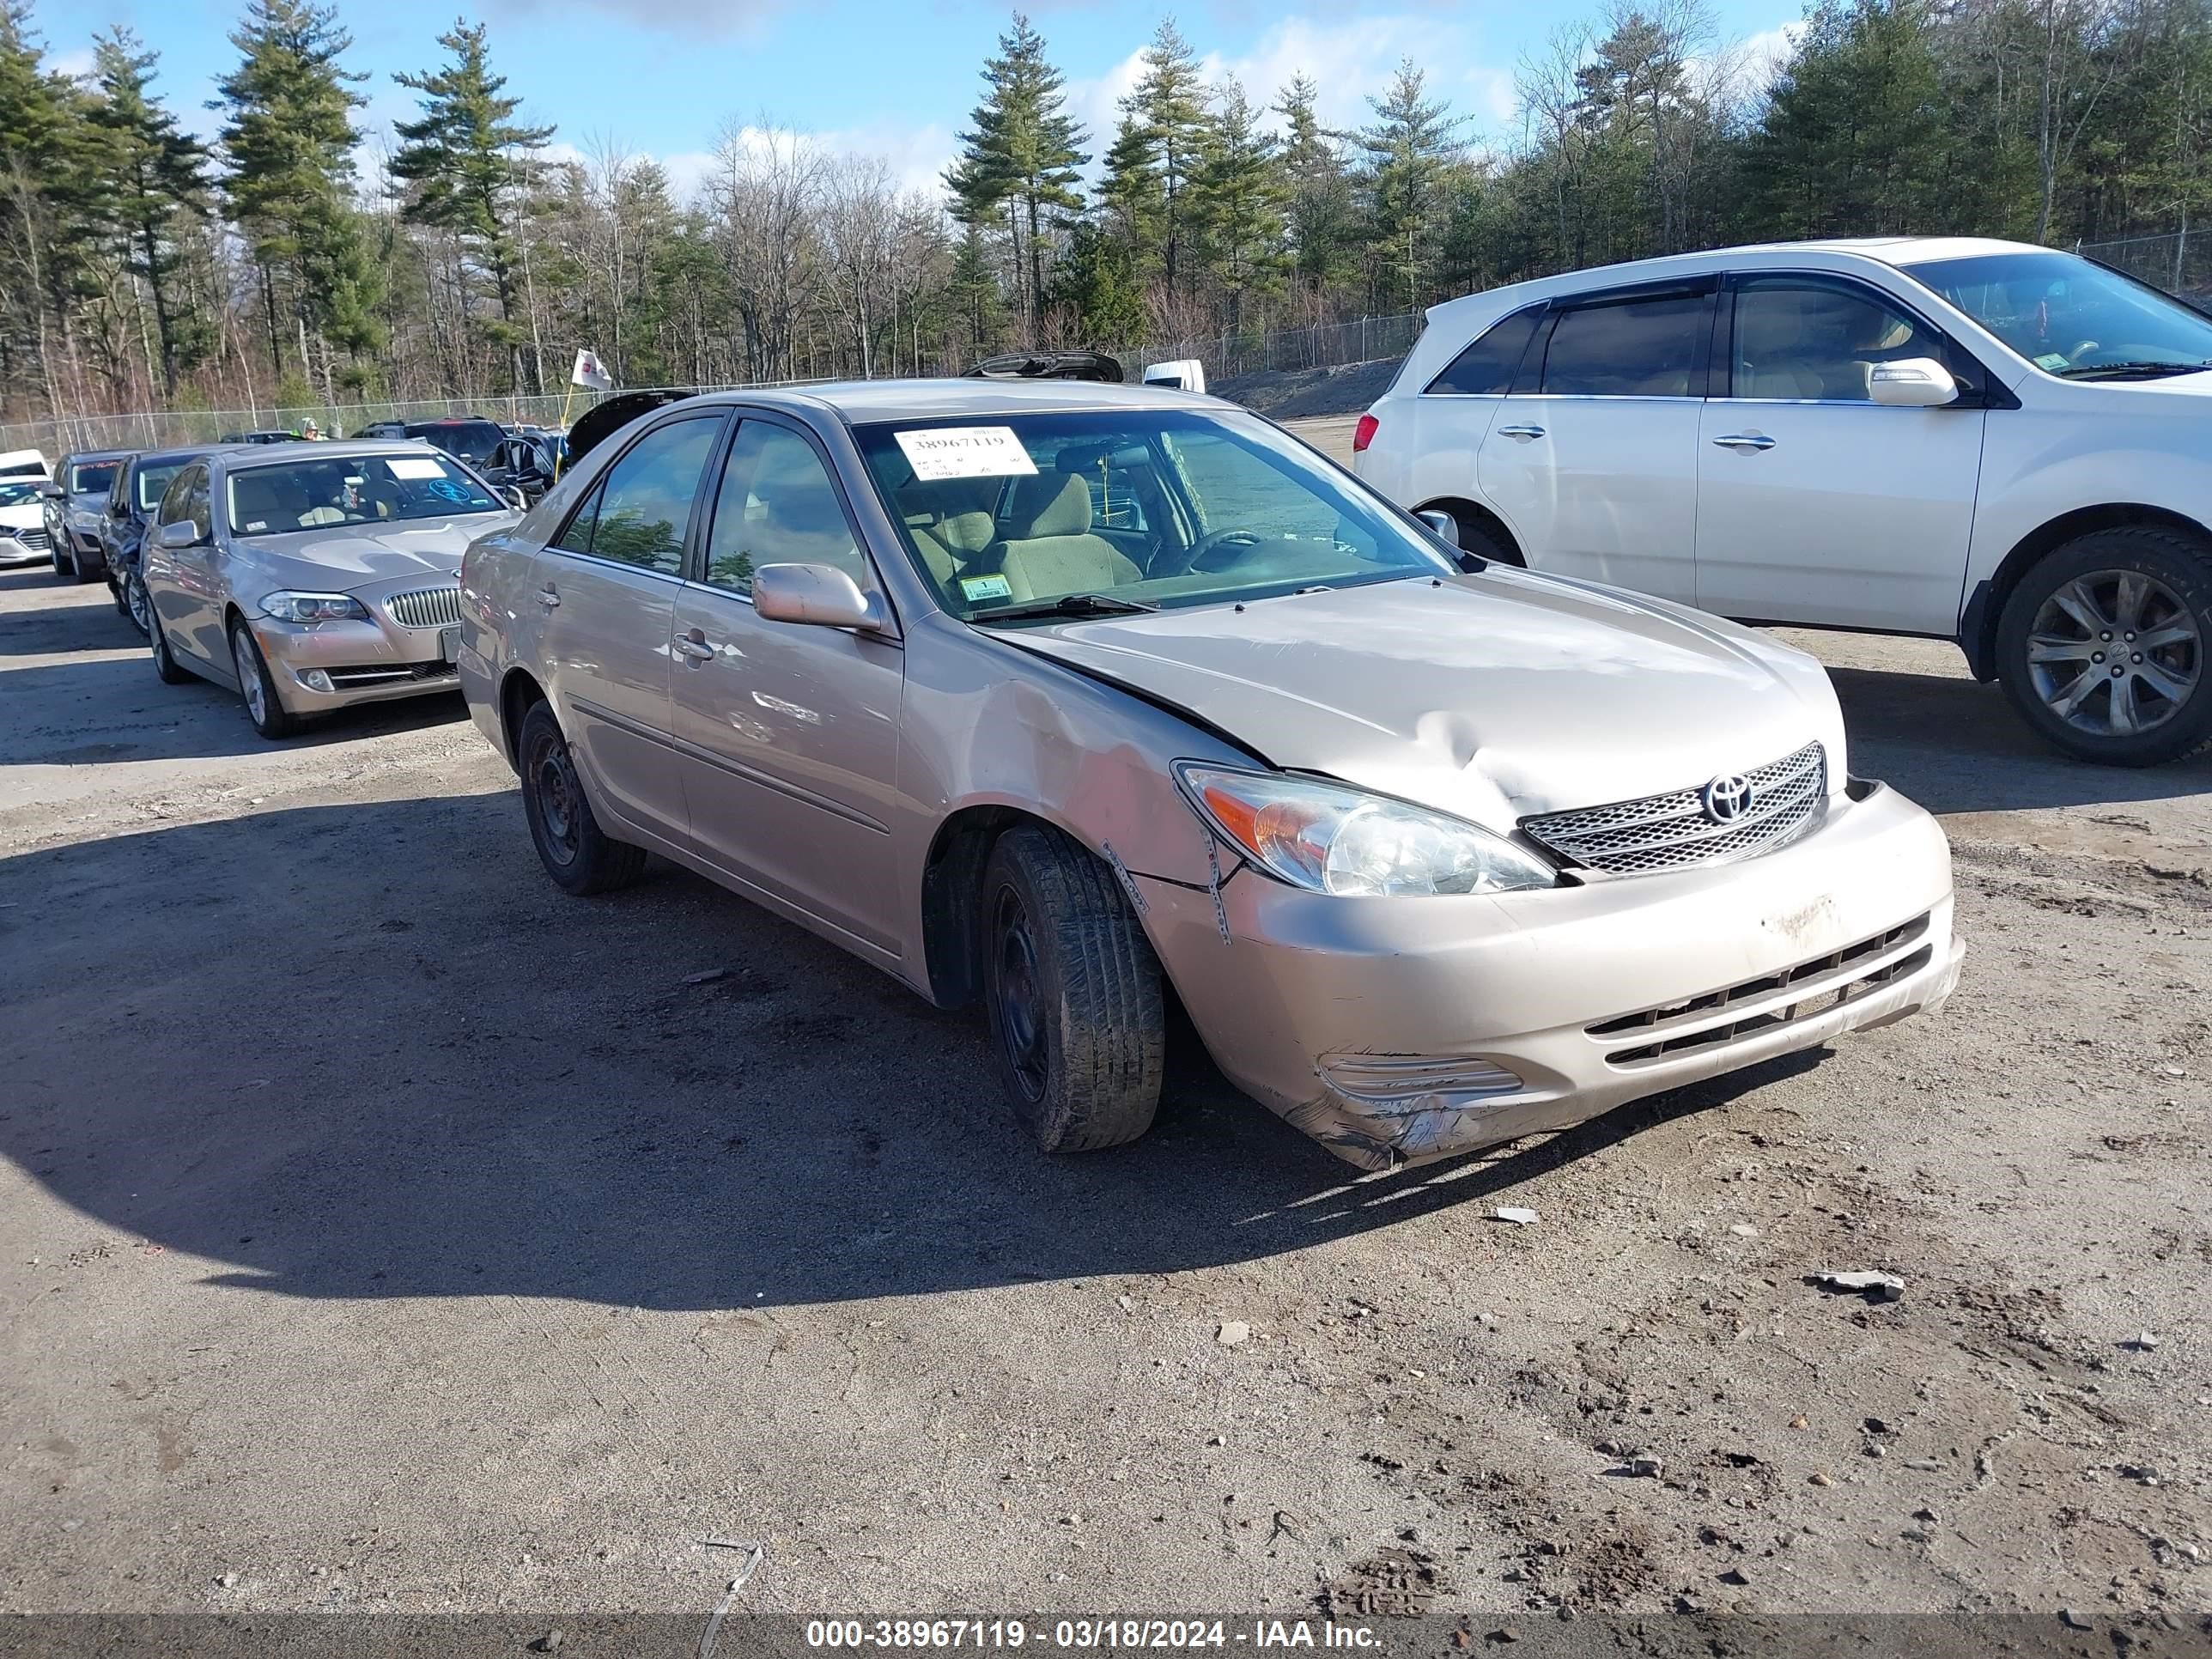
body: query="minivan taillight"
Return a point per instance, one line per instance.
(1363, 433)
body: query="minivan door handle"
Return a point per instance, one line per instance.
(1742, 440)
(1524, 433)
(548, 597)
(694, 645)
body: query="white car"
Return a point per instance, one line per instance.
(1976, 440)
(22, 522)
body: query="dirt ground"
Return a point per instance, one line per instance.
(381, 1229)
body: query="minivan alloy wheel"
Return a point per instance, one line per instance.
(2115, 653)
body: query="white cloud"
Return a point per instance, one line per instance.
(1759, 59)
(1351, 60)
(676, 17)
(72, 64)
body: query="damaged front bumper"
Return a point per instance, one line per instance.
(1395, 1031)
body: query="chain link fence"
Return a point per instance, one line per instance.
(2178, 261)
(1224, 357)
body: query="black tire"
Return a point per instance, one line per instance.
(166, 669)
(76, 563)
(1072, 992)
(136, 604)
(581, 857)
(1469, 535)
(264, 712)
(115, 592)
(2174, 596)
(64, 564)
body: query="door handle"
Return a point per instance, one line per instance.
(694, 645)
(1523, 432)
(1741, 440)
(547, 598)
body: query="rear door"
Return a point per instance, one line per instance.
(789, 734)
(606, 587)
(1592, 459)
(1816, 504)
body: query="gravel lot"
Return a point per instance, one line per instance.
(379, 1228)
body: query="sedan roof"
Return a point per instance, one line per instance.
(237, 458)
(863, 401)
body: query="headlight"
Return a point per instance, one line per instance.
(1329, 839)
(313, 607)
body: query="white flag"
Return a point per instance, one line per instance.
(588, 372)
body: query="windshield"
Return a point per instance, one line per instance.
(18, 494)
(94, 478)
(472, 440)
(2071, 316)
(154, 480)
(304, 495)
(1153, 508)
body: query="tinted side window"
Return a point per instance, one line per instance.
(777, 506)
(1632, 349)
(1818, 341)
(644, 507)
(1486, 367)
(196, 505)
(172, 499)
(577, 538)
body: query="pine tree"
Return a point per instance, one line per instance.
(290, 139)
(1322, 220)
(1237, 196)
(1097, 288)
(52, 200)
(158, 177)
(1406, 150)
(1166, 116)
(461, 157)
(1024, 154)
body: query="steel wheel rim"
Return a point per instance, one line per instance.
(249, 678)
(1017, 1003)
(2115, 653)
(557, 800)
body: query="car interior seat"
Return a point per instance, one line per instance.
(270, 499)
(1772, 350)
(953, 524)
(1050, 549)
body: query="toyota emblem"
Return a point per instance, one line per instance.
(1727, 799)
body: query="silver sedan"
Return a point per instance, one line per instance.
(1072, 699)
(307, 577)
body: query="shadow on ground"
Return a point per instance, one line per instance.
(1956, 745)
(338, 1060)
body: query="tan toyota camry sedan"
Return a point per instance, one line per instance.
(1067, 698)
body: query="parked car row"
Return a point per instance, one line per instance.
(2000, 445)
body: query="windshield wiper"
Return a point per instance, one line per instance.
(2136, 371)
(1069, 605)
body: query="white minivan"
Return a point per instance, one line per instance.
(1983, 441)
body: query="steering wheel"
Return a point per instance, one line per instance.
(1193, 557)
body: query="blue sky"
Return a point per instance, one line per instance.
(890, 77)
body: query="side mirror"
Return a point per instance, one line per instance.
(1911, 383)
(52, 491)
(1442, 523)
(177, 536)
(512, 496)
(818, 595)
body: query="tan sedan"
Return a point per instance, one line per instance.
(1071, 698)
(307, 577)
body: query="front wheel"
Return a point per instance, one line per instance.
(2101, 645)
(255, 688)
(1074, 992)
(581, 857)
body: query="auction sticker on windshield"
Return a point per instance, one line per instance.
(964, 452)
(411, 466)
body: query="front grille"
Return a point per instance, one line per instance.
(1828, 983)
(426, 607)
(352, 679)
(34, 539)
(1671, 831)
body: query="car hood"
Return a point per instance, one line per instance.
(341, 557)
(28, 517)
(1492, 696)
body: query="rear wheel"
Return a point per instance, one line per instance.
(165, 667)
(1073, 992)
(2101, 645)
(135, 605)
(581, 857)
(1470, 535)
(255, 688)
